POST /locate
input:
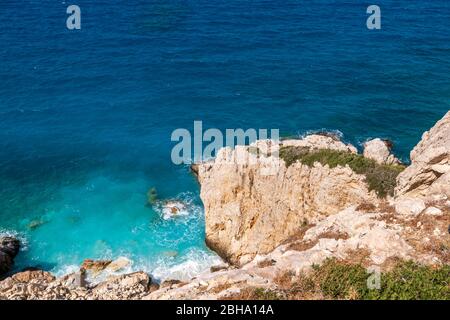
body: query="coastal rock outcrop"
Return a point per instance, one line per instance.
(41, 285)
(252, 204)
(9, 248)
(428, 175)
(380, 151)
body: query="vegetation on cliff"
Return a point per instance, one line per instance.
(342, 280)
(380, 177)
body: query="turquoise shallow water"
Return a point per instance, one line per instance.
(86, 116)
(103, 217)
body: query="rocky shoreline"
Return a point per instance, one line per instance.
(270, 217)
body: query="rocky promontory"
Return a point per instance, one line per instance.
(290, 218)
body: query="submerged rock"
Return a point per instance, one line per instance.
(170, 253)
(152, 196)
(35, 224)
(173, 208)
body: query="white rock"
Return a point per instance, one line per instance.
(409, 206)
(379, 151)
(433, 211)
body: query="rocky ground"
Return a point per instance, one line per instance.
(270, 217)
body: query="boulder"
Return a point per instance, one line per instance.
(433, 211)
(9, 248)
(409, 206)
(380, 151)
(95, 266)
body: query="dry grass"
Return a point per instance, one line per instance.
(252, 293)
(221, 287)
(172, 283)
(359, 256)
(366, 207)
(306, 245)
(266, 263)
(298, 236)
(423, 227)
(302, 245)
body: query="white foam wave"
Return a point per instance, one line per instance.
(192, 264)
(11, 233)
(339, 134)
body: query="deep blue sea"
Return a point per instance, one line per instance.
(86, 115)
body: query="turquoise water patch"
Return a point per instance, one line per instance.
(107, 218)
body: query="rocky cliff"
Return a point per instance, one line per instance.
(276, 218)
(253, 206)
(428, 176)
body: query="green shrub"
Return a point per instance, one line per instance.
(380, 178)
(342, 281)
(411, 281)
(265, 294)
(290, 155)
(406, 281)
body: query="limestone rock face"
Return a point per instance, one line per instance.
(379, 151)
(253, 205)
(429, 172)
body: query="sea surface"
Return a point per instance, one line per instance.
(86, 115)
